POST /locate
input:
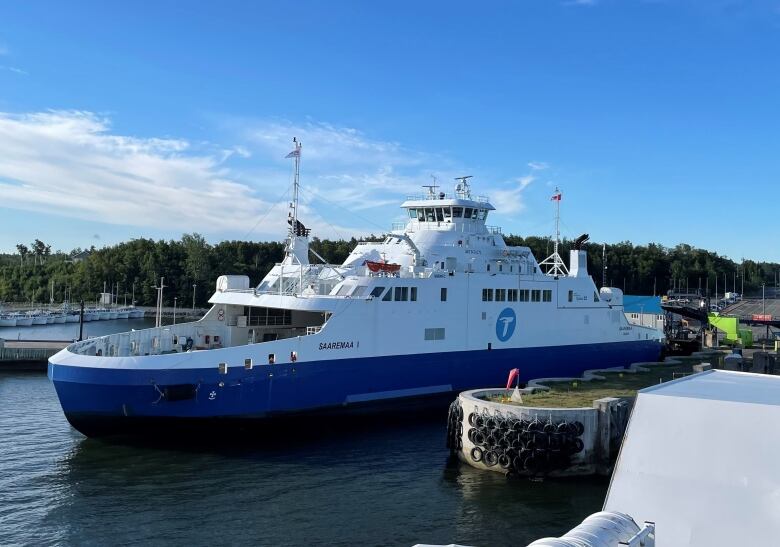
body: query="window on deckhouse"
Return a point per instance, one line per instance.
(377, 292)
(536, 295)
(524, 295)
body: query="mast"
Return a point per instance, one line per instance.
(297, 250)
(297, 156)
(554, 261)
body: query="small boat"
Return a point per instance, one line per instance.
(23, 320)
(72, 317)
(122, 313)
(38, 318)
(90, 315)
(382, 267)
(7, 320)
(113, 314)
(103, 314)
(136, 313)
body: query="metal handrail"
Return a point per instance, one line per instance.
(439, 197)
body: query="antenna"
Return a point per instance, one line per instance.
(463, 188)
(604, 263)
(431, 188)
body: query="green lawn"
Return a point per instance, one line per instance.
(616, 384)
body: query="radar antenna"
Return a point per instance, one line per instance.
(463, 189)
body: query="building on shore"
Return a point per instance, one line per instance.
(644, 310)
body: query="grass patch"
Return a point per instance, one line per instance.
(577, 393)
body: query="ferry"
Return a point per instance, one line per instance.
(441, 305)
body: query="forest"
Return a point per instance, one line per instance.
(191, 265)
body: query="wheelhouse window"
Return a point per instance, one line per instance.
(388, 295)
(481, 214)
(447, 213)
(421, 215)
(500, 295)
(439, 214)
(547, 296)
(413, 294)
(457, 212)
(474, 214)
(467, 212)
(536, 295)
(412, 213)
(430, 216)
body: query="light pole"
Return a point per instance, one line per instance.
(174, 309)
(194, 285)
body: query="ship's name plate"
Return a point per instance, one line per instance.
(337, 345)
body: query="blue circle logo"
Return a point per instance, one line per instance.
(505, 324)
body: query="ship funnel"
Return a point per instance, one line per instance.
(578, 258)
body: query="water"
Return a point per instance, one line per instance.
(70, 331)
(383, 485)
(391, 484)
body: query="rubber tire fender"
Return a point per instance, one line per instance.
(476, 454)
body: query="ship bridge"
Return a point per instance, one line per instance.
(447, 212)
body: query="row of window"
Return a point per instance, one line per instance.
(515, 295)
(402, 294)
(440, 214)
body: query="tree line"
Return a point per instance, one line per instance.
(191, 265)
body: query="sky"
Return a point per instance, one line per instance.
(658, 120)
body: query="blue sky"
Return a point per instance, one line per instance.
(657, 119)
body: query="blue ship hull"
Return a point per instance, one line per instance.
(105, 401)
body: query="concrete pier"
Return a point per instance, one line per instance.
(28, 354)
(537, 441)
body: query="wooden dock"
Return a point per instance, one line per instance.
(28, 354)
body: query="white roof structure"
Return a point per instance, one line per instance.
(699, 459)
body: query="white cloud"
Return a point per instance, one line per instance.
(71, 163)
(68, 163)
(14, 70)
(538, 165)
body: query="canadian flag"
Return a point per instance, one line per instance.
(556, 197)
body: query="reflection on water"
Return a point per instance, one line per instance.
(381, 484)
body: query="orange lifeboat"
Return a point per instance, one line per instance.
(382, 267)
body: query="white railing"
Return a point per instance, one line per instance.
(154, 341)
(440, 196)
